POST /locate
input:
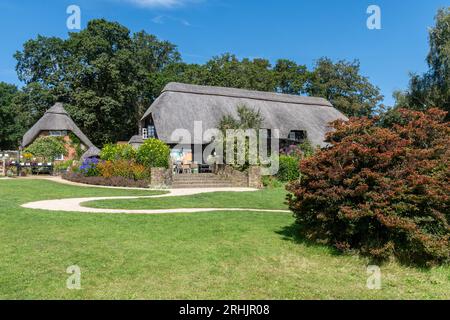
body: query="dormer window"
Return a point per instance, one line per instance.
(151, 131)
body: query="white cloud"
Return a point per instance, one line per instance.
(158, 19)
(160, 3)
(161, 19)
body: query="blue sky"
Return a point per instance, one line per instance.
(301, 30)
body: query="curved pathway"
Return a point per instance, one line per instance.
(74, 205)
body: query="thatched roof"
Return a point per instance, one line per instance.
(92, 152)
(180, 105)
(138, 139)
(55, 119)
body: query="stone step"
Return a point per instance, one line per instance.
(180, 176)
(199, 179)
(194, 176)
(193, 186)
(202, 181)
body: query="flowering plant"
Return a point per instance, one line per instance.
(89, 167)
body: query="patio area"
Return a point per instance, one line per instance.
(182, 163)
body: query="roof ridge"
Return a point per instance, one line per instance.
(245, 94)
(57, 108)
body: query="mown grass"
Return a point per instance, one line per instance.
(221, 255)
(264, 199)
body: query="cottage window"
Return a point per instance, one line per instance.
(59, 158)
(297, 136)
(57, 133)
(151, 131)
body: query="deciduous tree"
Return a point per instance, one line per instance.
(432, 89)
(342, 84)
(103, 74)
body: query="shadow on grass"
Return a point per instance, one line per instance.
(295, 234)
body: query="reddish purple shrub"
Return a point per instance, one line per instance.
(382, 191)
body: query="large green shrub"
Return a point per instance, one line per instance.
(47, 148)
(289, 168)
(113, 152)
(381, 191)
(154, 153)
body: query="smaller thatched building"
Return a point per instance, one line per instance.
(57, 122)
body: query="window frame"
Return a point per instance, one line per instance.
(57, 133)
(299, 136)
(60, 158)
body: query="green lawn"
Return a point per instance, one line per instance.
(221, 255)
(265, 199)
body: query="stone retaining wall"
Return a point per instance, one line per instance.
(160, 178)
(237, 179)
(250, 179)
(255, 178)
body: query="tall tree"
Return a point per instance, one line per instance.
(432, 89)
(103, 74)
(151, 56)
(9, 135)
(342, 84)
(228, 71)
(41, 61)
(291, 77)
(100, 72)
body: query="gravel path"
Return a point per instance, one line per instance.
(74, 205)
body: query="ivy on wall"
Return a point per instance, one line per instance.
(75, 143)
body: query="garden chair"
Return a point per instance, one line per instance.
(186, 168)
(194, 167)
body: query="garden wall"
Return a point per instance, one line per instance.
(161, 177)
(250, 179)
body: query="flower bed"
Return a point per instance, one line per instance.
(102, 181)
(121, 165)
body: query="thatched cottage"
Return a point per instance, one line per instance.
(57, 122)
(180, 105)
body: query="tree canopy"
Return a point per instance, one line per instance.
(432, 89)
(102, 73)
(229, 71)
(107, 77)
(342, 84)
(8, 129)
